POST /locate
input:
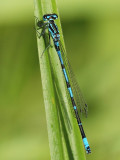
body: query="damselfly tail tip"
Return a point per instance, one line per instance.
(88, 150)
(87, 147)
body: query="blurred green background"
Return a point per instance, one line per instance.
(92, 37)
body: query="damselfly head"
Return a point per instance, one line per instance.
(48, 17)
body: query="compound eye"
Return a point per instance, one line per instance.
(55, 16)
(45, 17)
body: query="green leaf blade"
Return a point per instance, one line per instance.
(65, 140)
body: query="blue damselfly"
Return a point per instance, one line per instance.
(77, 100)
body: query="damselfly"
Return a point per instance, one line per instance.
(77, 101)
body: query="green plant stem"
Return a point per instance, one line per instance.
(64, 136)
(55, 143)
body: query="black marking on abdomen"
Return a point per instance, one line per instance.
(57, 48)
(79, 122)
(68, 84)
(62, 65)
(73, 101)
